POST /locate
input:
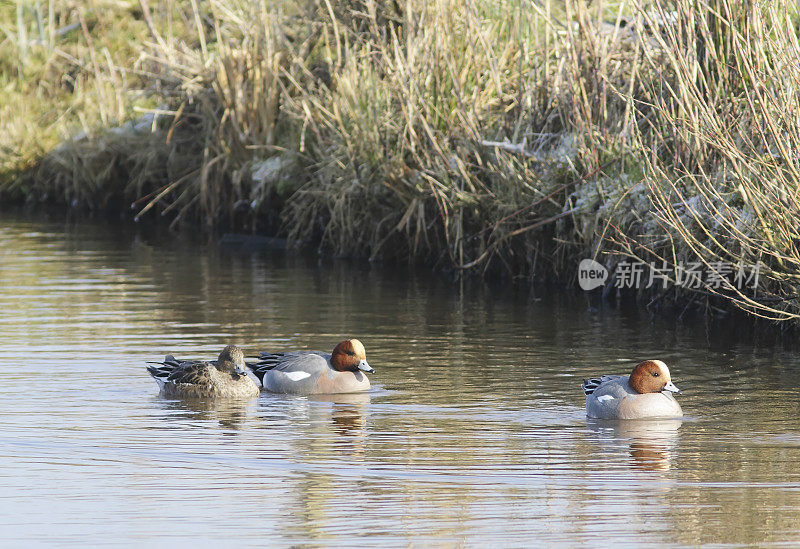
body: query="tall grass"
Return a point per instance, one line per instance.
(720, 156)
(509, 136)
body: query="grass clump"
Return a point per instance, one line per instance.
(720, 158)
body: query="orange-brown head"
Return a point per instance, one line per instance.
(651, 376)
(350, 356)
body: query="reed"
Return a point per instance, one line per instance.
(720, 153)
(512, 136)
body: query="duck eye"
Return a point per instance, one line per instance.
(351, 353)
(655, 374)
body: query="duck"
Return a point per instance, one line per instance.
(645, 393)
(225, 377)
(315, 372)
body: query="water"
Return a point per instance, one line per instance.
(474, 433)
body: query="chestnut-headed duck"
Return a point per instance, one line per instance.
(225, 377)
(646, 393)
(315, 372)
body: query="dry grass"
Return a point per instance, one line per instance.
(483, 136)
(720, 155)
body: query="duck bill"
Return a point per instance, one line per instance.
(671, 388)
(365, 367)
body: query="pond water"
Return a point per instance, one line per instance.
(474, 432)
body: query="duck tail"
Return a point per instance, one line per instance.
(589, 385)
(164, 368)
(159, 373)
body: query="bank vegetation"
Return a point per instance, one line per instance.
(511, 137)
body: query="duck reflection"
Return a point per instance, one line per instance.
(230, 414)
(650, 442)
(347, 413)
(332, 441)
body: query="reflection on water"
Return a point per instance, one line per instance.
(474, 431)
(348, 417)
(651, 443)
(230, 414)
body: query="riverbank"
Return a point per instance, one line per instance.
(504, 140)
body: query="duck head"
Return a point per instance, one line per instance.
(651, 376)
(231, 359)
(349, 355)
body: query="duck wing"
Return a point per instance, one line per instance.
(177, 371)
(288, 362)
(590, 385)
(191, 373)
